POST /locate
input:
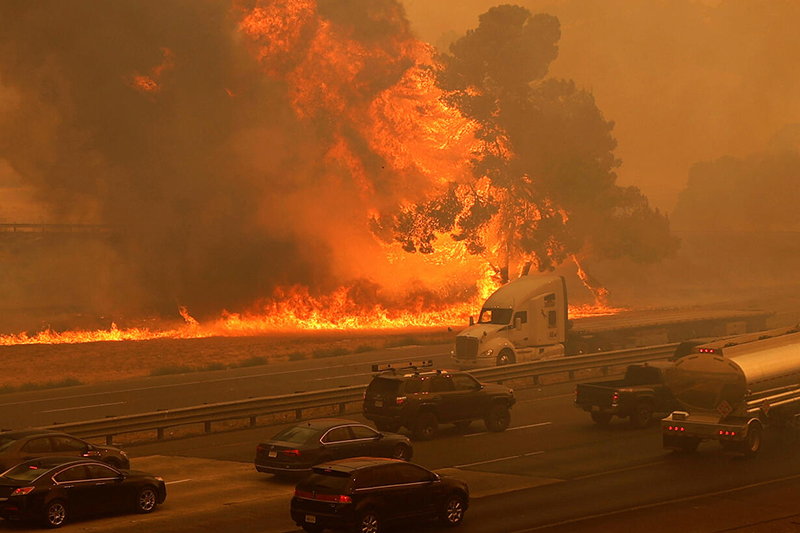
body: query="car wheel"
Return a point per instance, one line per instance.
(642, 415)
(506, 357)
(452, 512)
(463, 425)
(55, 514)
(426, 426)
(368, 522)
(389, 427)
(146, 500)
(601, 419)
(400, 452)
(499, 418)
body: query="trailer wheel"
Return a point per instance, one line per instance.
(752, 443)
(601, 419)
(642, 415)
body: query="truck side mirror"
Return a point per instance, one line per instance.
(518, 324)
(471, 320)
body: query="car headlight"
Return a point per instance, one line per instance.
(487, 353)
(123, 454)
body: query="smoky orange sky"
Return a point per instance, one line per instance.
(684, 80)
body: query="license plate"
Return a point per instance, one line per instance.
(378, 403)
(311, 519)
(273, 454)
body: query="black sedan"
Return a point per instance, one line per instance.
(55, 489)
(23, 445)
(298, 448)
(366, 495)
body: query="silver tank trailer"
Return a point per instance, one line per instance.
(703, 381)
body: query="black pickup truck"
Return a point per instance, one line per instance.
(421, 400)
(638, 395)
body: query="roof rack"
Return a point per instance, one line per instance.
(413, 365)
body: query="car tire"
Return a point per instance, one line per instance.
(401, 452)
(452, 512)
(602, 419)
(498, 418)
(505, 357)
(463, 425)
(146, 500)
(55, 514)
(389, 427)
(369, 521)
(642, 415)
(426, 425)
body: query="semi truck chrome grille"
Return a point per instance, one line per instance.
(466, 347)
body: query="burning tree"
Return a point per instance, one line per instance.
(543, 184)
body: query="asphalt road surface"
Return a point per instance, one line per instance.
(92, 402)
(552, 470)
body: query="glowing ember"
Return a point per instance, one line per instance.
(150, 83)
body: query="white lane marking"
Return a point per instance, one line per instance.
(82, 407)
(234, 378)
(497, 460)
(657, 504)
(511, 429)
(178, 481)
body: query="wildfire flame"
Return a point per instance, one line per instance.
(386, 94)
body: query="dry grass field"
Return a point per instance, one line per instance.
(41, 366)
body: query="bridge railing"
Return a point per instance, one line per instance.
(298, 402)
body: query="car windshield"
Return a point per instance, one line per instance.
(297, 434)
(25, 472)
(495, 316)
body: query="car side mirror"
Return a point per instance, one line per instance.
(472, 321)
(518, 324)
(380, 436)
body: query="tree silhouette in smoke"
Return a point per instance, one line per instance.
(543, 186)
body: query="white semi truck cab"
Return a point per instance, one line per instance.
(523, 320)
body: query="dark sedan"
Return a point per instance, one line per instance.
(55, 489)
(366, 495)
(298, 448)
(19, 446)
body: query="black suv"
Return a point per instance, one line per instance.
(420, 401)
(366, 494)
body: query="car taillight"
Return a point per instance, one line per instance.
(303, 494)
(677, 428)
(336, 498)
(260, 449)
(22, 491)
(615, 397)
(400, 400)
(291, 453)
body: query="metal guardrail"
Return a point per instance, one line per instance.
(252, 408)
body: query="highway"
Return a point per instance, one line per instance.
(91, 402)
(552, 470)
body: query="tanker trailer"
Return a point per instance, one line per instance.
(731, 390)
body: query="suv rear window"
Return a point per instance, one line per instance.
(385, 387)
(330, 481)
